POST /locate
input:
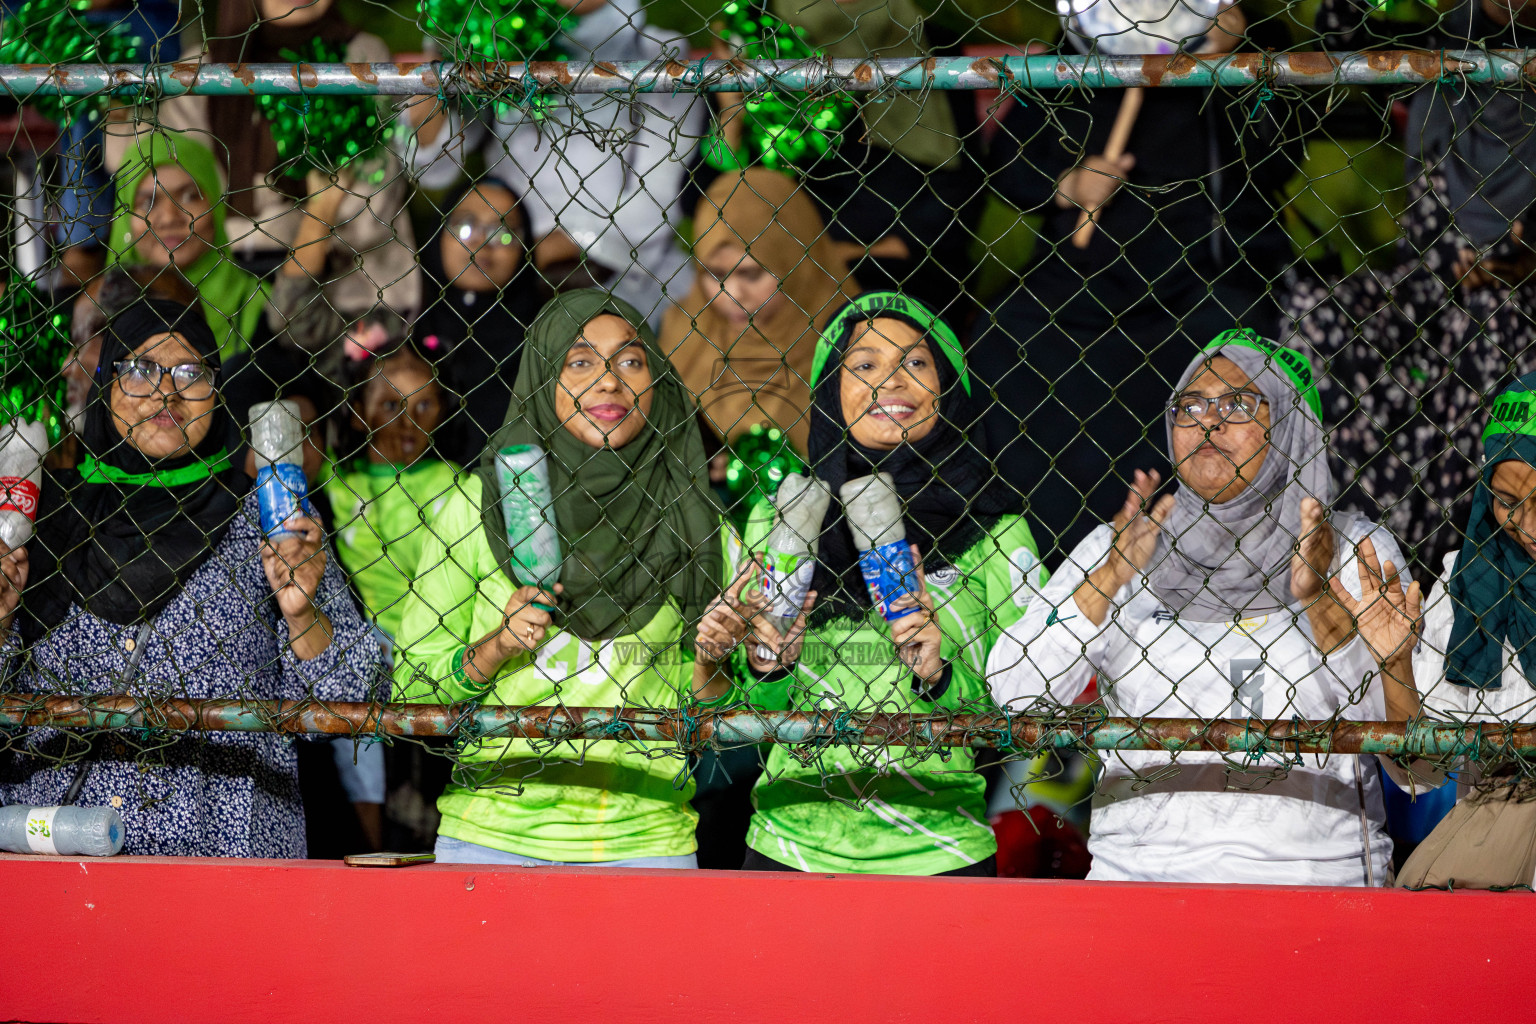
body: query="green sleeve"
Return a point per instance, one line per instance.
(1002, 572)
(1013, 574)
(438, 621)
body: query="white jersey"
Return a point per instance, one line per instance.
(1206, 817)
(1512, 701)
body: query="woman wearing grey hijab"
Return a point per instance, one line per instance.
(1236, 596)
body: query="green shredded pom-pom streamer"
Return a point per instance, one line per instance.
(57, 32)
(781, 129)
(317, 131)
(488, 30)
(760, 460)
(34, 342)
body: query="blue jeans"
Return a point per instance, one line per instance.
(457, 851)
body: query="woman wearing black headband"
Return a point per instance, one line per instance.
(149, 576)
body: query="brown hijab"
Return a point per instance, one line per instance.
(759, 373)
(241, 138)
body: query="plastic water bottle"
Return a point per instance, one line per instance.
(873, 509)
(528, 509)
(61, 831)
(277, 437)
(23, 444)
(789, 555)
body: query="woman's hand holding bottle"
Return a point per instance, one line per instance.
(524, 626)
(294, 563)
(13, 566)
(917, 637)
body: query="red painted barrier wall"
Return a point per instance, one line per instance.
(148, 939)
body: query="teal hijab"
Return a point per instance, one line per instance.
(637, 525)
(1493, 588)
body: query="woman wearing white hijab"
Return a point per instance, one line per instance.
(1222, 600)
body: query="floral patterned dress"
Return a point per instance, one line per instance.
(212, 794)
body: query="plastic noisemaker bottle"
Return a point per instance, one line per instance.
(61, 831)
(528, 509)
(873, 509)
(277, 437)
(789, 555)
(22, 446)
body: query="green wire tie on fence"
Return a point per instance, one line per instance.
(1265, 95)
(616, 727)
(1008, 87)
(466, 724)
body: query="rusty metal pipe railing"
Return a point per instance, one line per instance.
(696, 728)
(674, 74)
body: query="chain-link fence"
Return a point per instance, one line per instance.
(914, 436)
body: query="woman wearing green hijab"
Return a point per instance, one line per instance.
(170, 215)
(643, 559)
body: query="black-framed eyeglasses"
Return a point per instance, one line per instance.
(489, 234)
(1233, 407)
(140, 378)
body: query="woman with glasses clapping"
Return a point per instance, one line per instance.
(1237, 596)
(149, 576)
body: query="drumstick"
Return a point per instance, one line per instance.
(1114, 149)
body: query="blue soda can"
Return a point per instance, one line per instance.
(277, 437)
(873, 510)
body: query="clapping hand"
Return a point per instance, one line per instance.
(1386, 616)
(1313, 560)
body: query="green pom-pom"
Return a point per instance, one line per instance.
(320, 131)
(496, 30)
(760, 460)
(34, 342)
(56, 32)
(781, 129)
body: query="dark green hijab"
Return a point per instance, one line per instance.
(1493, 588)
(636, 523)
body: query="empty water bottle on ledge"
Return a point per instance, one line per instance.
(61, 831)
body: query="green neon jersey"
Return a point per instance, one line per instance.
(380, 513)
(892, 810)
(584, 801)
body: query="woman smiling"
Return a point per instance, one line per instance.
(892, 394)
(1221, 601)
(149, 576)
(642, 559)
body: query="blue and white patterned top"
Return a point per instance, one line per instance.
(213, 794)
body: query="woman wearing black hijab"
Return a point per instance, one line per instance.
(479, 303)
(149, 575)
(891, 393)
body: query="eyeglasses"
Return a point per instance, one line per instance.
(1235, 407)
(490, 235)
(140, 378)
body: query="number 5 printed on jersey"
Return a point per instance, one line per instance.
(1247, 676)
